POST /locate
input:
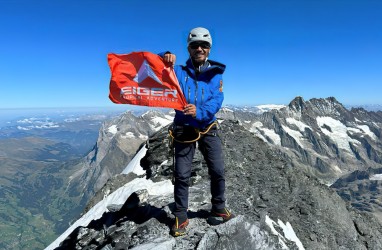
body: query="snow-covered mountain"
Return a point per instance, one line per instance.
(259, 109)
(272, 160)
(321, 134)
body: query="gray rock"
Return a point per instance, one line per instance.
(272, 198)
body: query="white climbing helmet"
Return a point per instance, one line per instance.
(199, 34)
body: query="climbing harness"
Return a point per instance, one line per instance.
(173, 138)
(196, 131)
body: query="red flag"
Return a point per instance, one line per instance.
(142, 78)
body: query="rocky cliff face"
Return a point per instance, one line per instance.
(118, 141)
(363, 190)
(278, 205)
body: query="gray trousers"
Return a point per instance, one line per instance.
(211, 148)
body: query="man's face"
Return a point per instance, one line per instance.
(199, 51)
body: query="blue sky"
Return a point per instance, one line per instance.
(53, 53)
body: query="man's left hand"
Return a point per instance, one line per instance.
(190, 109)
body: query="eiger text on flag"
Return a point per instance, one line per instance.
(142, 78)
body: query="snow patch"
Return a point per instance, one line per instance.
(338, 132)
(297, 136)
(300, 125)
(112, 129)
(118, 197)
(227, 110)
(337, 169)
(268, 107)
(272, 135)
(169, 117)
(134, 165)
(257, 128)
(376, 177)
(363, 129)
(157, 244)
(288, 232)
(128, 135)
(257, 125)
(368, 132)
(354, 130)
(143, 137)
(161, 121)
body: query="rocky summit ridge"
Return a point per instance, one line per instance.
(278, 204)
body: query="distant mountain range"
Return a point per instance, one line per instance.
(368, 107)
(53, 168)
(320, 134)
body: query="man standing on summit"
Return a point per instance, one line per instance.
(202, 85)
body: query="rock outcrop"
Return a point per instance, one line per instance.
(363, 190)
(278, 205)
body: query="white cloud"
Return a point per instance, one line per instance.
(36, 123)
(23, 128)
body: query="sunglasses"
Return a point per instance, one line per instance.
(202, 45)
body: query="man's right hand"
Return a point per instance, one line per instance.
(170, 59)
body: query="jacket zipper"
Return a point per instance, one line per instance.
(196, 91)
(189, 94)
(202, 95)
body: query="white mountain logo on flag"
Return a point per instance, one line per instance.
(144, 72)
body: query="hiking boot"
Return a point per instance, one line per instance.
(179, 228)
(224, 213)
(219, 216)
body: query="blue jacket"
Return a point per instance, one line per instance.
(204, 90)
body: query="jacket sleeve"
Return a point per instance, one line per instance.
(207, 111)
